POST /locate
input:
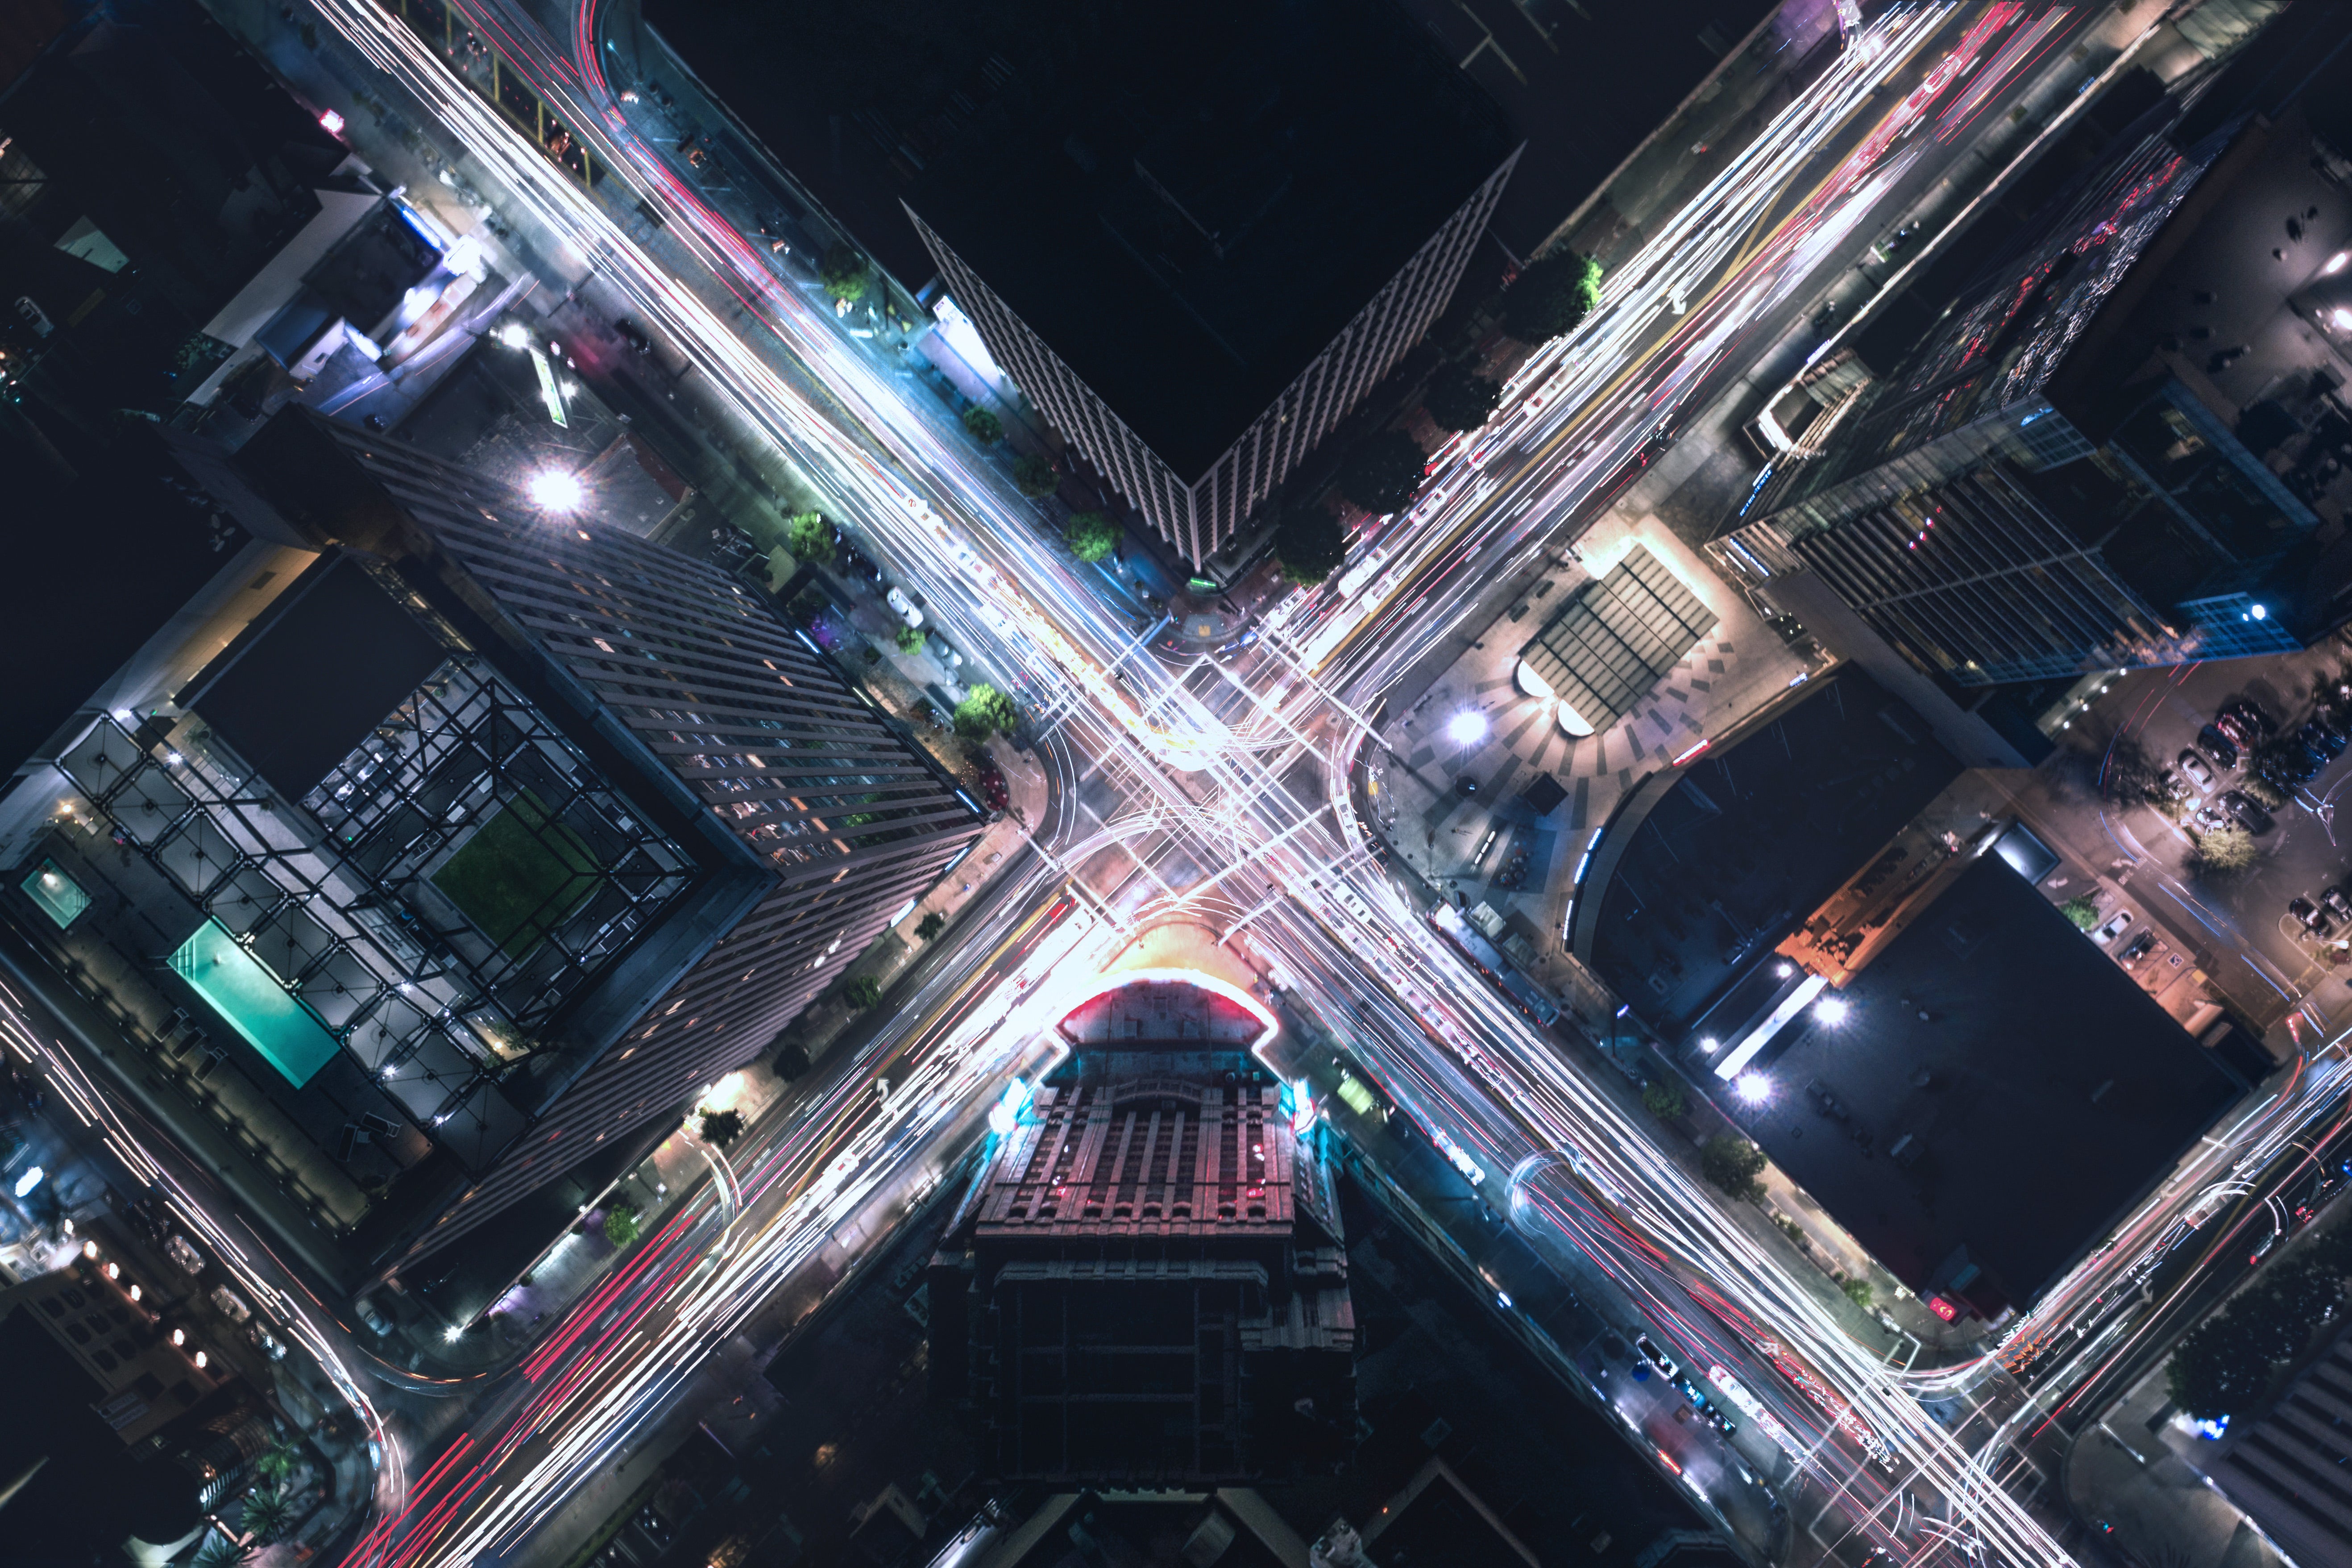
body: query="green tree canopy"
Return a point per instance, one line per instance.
(1551, 296)
(2225, 849)
(844, 272)
(1382, 471)
(1459, 398)
(929, 926)
(720, 1128)
(1309, 543)
(621, 1224)
(810, 538)
(911, 640)
(2083, 909)
(862, 993)
(1664, 1100)
(1034, 476)
(1732, 1163)
(268, 1513)
(2216, 1372)
(984, 427)
(1091, 535)
(985, 711)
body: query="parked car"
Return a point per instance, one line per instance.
(2316, 735)
(2303, 911)
(2289, 763)
(907, 609)
(1656, 1357)
(2336, 903)
(2139, 947)
(2219, 747)
(2209, 817)
(2113, 928)
(2251, 714)
(2250, 816)
(2241, 734)
(2195, 767)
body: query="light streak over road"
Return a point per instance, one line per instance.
(1214, 741)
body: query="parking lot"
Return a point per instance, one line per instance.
(2276, 932)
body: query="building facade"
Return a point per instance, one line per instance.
(1147, 1283)
(1200, 511)
(446, 848)
(1196, 252)
(2123, 446)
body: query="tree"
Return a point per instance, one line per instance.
(1551, 296)
(1732, 1163)
(2128, 775)
(1382, 471)
(911, 640)
(1091, 535)
(983, 426)
(862, 993)
(2264, 790)
(223, 1551)
(1858, 1291)
(1459, 398)
(2225, 849)
(929, 926)
(720, 1128)
(278, 1461)
(1311, 543)
(985, 711)
(1664, 1100)
(2083, 909)
(621, 1224)
(2215, 1372)
(844, 272)
(1034, 476)
(268, 1513)
(810, 538)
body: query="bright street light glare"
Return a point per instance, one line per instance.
(1832, 1009)
(1710, 1045)
(1467, 727)
(514, 334)
(557, 491)
(29, 1180)
(1753, 1088)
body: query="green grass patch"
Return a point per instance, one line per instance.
(520, 875)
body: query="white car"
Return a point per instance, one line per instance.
(2113, 928)
(2194, 766)
(908, 611)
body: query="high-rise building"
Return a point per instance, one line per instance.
(1147, 1284)
(485, 840)
(1213, 236)
(2124, 445)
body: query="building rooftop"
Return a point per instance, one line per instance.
(1611, 644)
(1749, 839)
(1203, 196)
(2039, 1090)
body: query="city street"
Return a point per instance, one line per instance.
(1223, 782)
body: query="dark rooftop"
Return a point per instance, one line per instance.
(297, 693)
(2057, 1091)
(1208, 194)
(1751, 839)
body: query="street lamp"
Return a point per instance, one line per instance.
(515, 335)
(1753, 1088)
(555, 490)
(1466, 728)
(1831, 1010)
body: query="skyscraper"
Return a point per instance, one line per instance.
(849, 820)
(446, 845)
(2123, 444)
(1148, 1284)
(1200, 250)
